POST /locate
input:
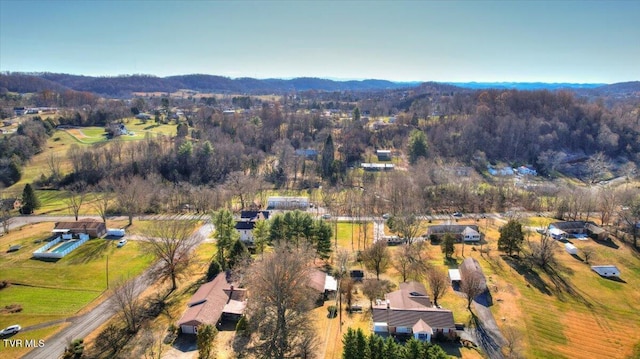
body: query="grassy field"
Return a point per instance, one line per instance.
(49, 291)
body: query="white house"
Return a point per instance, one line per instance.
(470, 235)
(288, 203)
(245, 229)
(607, 270)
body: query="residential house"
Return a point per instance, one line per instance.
(409, 311)
(501, 171)
(213, 302)
(576, 229)
(377, 166)
(19, 111)
(10, 204)
(92, 227)
(384, 155)
(467, 233)
(246, 224)
(526, 170)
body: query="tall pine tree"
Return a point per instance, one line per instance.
(30, 201)
(328, 153)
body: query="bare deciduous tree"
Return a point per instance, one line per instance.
(126, 303)
(281, 299)
(243, 186)
(588, 253)
(377, 258)
(75, 200)
(512, 347)
(543, 252)
(438, 283)
(472, 286)
(375, 289)
(171, 241)
(101, 202)
(131, 195)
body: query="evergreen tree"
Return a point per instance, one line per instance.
(237, 252)
(362, 345)
(214, 270)
(225, 235)
(376, 346)
(328, 153)
(261, 235)
(30, 201)
(511, 237)
(322, 238)
(448, 245)
(204, 341)
(356, 114)
(417, 146)
(434, 351)
(391, 349)
(413, 349)
(349, 345)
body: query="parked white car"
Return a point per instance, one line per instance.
(12, 329)
(121, 243)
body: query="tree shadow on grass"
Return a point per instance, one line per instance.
(564, 285)
(90, 251)
(607, 242)
(531, 276)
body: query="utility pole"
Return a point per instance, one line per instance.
(107, 271)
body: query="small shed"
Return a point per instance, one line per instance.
(607, 270)
(570, 248)
(116, 232)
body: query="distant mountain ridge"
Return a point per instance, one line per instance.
(526, 85)
(123, 86)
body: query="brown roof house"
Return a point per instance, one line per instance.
(92, 227)
(408, 311)
(323, 283)
(214, 301)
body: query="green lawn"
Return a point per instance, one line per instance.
(50, 291)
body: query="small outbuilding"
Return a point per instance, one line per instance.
(607, 270)
(454, 275)
(570, 248)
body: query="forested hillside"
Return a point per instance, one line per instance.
(123, 86)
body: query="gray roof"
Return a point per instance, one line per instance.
(434, 317)
(469, 267)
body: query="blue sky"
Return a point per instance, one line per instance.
(549, 41)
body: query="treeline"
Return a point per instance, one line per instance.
(18, 148)
(535, 127)
(357, 345)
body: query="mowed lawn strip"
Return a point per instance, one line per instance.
(50, 291)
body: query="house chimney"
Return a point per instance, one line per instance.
(388, 304)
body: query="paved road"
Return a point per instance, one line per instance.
(487, 333)
(83, 325)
